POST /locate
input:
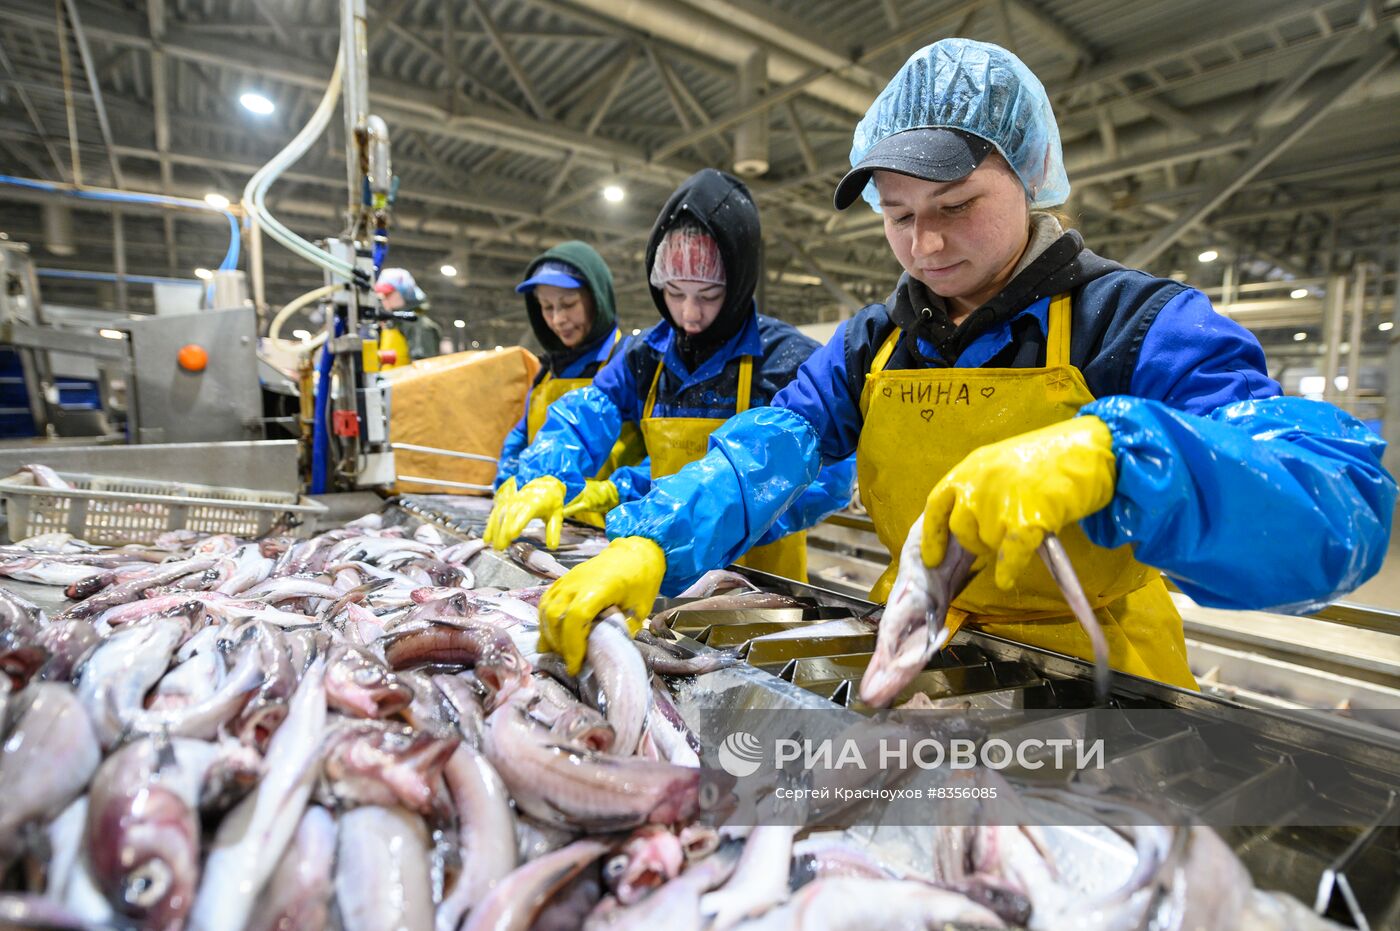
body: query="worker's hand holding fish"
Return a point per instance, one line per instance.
(542, 498)
(1005, 497)
(599, 496)
(627, 574)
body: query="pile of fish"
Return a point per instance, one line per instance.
(347, 731)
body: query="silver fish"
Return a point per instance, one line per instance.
(621, 674)
(911, 630)
(252, 837)
(115, 679)
(593, 791)
(855, 904)
(517, 899)
(377, 763)
(486, 838)
(760, 879)
(381, 872)
(297, 898)
(360, 685)
(53, 736)
(734, 601)
(163, 574)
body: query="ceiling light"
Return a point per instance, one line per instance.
(636, 332)
(1210, 255)
(499, 348)
(217, 201)
(476, 344)
(1299, 337)
(300, 334)
(1385, 327)
(1298, 293)
(449, 271)
(257, 103)
(614, 193)
(203, 274)
(111, 334)
(459, 324)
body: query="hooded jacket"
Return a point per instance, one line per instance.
(722, 206)
(598, 277)
(584, 360)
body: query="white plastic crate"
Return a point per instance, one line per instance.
(111, 510)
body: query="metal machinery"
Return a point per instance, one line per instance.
(168, 378)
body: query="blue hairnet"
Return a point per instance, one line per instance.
(978, 88)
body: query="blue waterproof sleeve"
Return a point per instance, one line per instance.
(632, 481)
(574, 442)
(509, 458)
(828, 494)
(716, 508)
(1279, 503)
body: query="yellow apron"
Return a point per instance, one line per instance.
(921, 423)
(675, 442)
(629, 448)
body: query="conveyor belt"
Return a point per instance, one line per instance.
(1349, 874)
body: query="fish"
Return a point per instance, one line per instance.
(592, 791)
(716, 581)
(381, 871)
(735, 601)
(533, 559)
(486, 837)
(126, 592)
(52, 736)
(515, 901)
(662, 657)
(911, 629)
(40, 475)
(651, 857)
(142, 837)
(298, 896)
(1052, 552)
(621, 674)
(856, 903)
(486, 649)
(251, 838)
(760, 879)
(114, 680)
(359, 684)
(378, 763)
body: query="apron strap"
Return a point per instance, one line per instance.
(745, 384)
(612, 348)
(877, 365)
(1057, 332)
(651, 392)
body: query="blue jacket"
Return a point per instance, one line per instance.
(583, 425)
(1245, 498)
(580, 363)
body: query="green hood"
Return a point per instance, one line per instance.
(596, 275)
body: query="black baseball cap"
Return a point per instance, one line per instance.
(933, 154)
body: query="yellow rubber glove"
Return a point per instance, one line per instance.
(626, 574)
(597, 497)
(1004, 498)
(542, 498)
(498, 508)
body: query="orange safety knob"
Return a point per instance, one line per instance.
(388, 357)
(193, 358)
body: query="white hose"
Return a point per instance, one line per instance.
(255, 192)
(292, 307)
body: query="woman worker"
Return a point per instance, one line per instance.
(569, 300)
(711, 356)
(1016, 384)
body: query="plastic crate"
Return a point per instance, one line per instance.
(111, 510)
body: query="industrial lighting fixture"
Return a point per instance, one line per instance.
(449, 271)
(499, 348)
(257, 103)
(476, 344)
(111, 334)
(614, 193)
(1298, 293)
(203, 274)
(636, 331)
(1386, 327)
(217, 201)
(460, 324)
(1210, 255)
(1299, 337)
(301, 334)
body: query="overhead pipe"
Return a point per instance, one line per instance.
(751, 136)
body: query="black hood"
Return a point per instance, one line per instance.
(722, 206)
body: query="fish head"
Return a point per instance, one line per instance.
(651, 857)
(145, 856)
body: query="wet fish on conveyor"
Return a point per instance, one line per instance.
(911, 628)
